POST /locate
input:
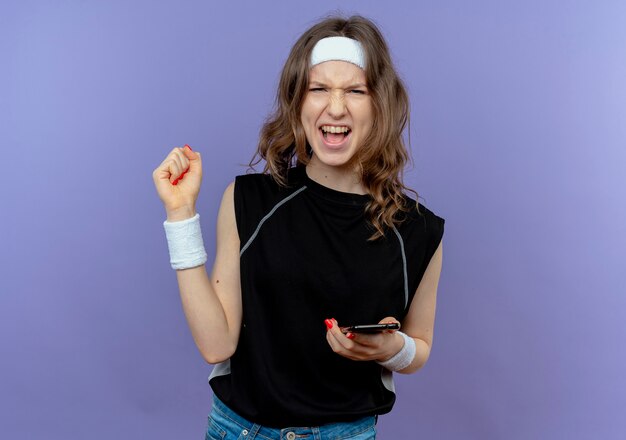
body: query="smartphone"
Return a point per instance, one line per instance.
(370, 328)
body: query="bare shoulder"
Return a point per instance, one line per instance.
(226, 223)
(229, 192)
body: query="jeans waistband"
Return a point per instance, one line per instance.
(325, 431)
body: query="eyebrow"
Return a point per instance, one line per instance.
(351, 86)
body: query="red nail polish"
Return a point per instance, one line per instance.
(188, 147)
(175, 182)
(350, 335)
(329, 323)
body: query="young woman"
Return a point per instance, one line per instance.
(323, 239)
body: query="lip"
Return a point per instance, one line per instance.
(335, 146)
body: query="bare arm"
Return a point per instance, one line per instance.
(212, 307)
(420, 320)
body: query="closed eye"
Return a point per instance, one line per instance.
(358, 92)
(317, 89)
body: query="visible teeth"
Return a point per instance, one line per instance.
(333, 129)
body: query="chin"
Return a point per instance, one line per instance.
(332, 160)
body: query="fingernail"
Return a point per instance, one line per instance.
(188, 147)
(175, 182)
(350, 335)
(329, 323)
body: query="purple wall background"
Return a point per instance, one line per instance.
(518, 135)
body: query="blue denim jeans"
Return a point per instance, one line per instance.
(225, 424)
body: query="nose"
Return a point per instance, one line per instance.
(336, 105)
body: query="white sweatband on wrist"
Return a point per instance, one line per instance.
(338, 49)
(184, 240)
(403, 358)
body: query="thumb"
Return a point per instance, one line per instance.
(389, 320)
(195, 162)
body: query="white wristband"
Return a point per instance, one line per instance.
(184, 239)
(403, 358)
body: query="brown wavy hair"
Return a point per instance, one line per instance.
(382, 156)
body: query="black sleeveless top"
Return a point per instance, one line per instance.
(304, 258)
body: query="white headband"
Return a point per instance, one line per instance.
(338, 49)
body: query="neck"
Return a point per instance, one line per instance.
(344, 179)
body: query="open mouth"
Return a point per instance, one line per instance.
(334, 135)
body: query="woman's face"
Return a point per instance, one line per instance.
(337, 112)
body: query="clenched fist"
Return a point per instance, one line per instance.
(177, 180)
